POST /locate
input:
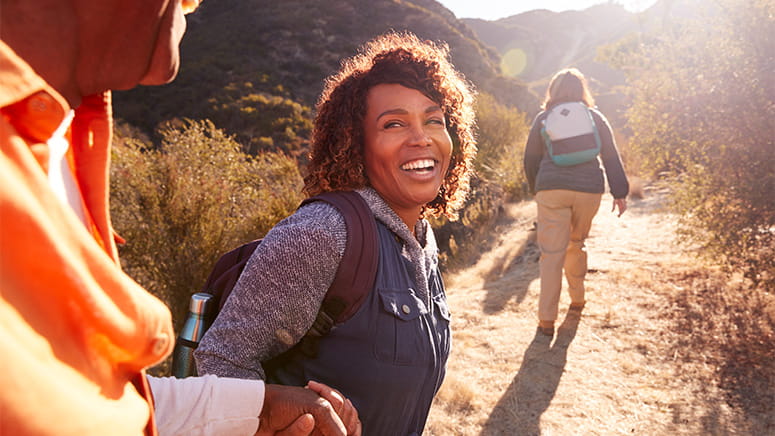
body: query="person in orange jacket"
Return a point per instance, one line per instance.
(76, 333)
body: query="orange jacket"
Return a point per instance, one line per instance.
(75, 332)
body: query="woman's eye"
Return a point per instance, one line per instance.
(391, 124)
(439, 121)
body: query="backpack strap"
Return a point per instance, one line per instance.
(226, 272)
(357, 270)
(595, 131)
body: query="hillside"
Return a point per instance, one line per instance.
(287, 48)
(236, 48)
(553, 40)
(536, 44)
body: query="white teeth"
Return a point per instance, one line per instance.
(418, 164)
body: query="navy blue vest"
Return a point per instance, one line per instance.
(389, 359)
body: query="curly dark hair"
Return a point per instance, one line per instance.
(336, 155)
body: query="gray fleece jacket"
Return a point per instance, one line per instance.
(277, 297)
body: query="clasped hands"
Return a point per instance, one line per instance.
(314, 410)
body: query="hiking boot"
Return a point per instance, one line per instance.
(577, 307)
(546, 331)
(546, 328)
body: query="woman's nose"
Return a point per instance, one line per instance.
(420, 137)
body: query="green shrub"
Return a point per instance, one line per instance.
(501, 135)
(502, 132)
(702, 115)
(456, 239)
(261, 121)
(182, 205)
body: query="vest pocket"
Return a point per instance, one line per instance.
(443, 333)
(401, 334)
(441, 303)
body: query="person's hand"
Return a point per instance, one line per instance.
(289, 411)
(303, 426)
(343, 407)
(621, 203)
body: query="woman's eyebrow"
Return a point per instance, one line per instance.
(399, 111)
(392, 112)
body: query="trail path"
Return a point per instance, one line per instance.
(608, 372)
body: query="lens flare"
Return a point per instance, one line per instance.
(514, 62)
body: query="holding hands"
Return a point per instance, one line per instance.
(314, 410)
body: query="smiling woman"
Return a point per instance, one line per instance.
(395, 125)
(341, 126)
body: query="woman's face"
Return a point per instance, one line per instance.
(407, 148)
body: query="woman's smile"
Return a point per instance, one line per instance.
(419, 165)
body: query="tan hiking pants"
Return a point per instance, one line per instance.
(564, 220)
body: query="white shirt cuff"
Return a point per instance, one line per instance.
(207, 406)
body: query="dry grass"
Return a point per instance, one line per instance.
(664, 346)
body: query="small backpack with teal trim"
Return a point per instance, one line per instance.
(570, 134)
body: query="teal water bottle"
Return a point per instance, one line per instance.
(194, 328)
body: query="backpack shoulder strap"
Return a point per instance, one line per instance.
(357, 270)
(595, 129)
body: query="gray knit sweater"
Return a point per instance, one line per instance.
(277, 298)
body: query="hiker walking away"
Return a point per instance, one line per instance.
(76, 333)
(384, 127)
(567, 142)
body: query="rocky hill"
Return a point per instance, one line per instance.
(287, 48)
(553, 40)
(536, 44)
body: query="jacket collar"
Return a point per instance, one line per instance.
(24, 95)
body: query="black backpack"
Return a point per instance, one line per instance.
(354, 279)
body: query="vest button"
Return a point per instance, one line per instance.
(406, 309)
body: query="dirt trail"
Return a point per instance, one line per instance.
(608, 372)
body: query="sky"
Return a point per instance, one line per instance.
(496, 9)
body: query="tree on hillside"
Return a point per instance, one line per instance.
(702, 115)
(182, 205)
(295, 44)
(261, 121)
(502, 132)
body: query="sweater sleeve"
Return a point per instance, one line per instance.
(609, 153)
(206, 406)
(534, 151)
(278, 295)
